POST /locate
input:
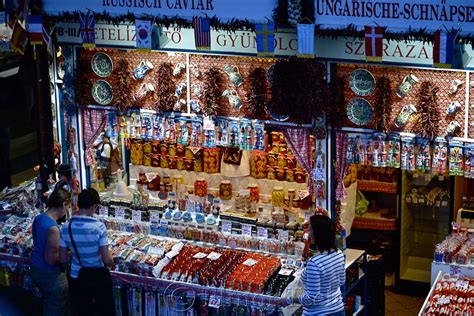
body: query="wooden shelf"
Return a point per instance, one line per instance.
(377, 186)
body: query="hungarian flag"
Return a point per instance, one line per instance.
(86, 28)
(202, 33)
(373, 43)
(143, 34)
(443, 49)
(19, 38)
(305, 40)
(265, 39)
(14, 10)
(35, 29)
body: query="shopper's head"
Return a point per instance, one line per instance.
(59, 201)
(87, 200)
(322, 232)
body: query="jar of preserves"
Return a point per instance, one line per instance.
(271, 173)
(280, 174)
(254, 192)
(200, 187)
(278, 197)
(290, 175)
(225, 190)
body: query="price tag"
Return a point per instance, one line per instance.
(154, 217)
(103, 211)
(262, 232)
(246, 230)
(156, 251)
(284, 271)
(227, 227)
(437, 203)
(171, 254)
(120, 213)
(421, 200)
(250, 262)
(214, 302)
(164, 222)
(200, 255)
(408, 199)
(444, 203)
(214, 256)
(136, 215)
(283, 235)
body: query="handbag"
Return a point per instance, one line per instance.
(89, 276)
(294, 290)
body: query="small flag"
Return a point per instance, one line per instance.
(47, 38)
(19, 38)
(443, 49)
(87, 25)
(373, 43)
(143, 34)
(305, 40)
(265, 39)
(35, 29)
(202, 33)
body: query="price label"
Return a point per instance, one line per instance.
(421, 200)
(437, 203)
(247, 230)
(164, 223)
(120, 213)
(284, 271)
(156, 251)
(262, 232)
(154, 217)
(441, 178)
(408, 199)
(214, 256)
(136, 215)
(214, 302)
(103, 211)
(200, 255)
(444, 203)
(171, 254)
(250, 262)
(227, 227)
(283, 235)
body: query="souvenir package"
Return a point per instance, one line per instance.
(196, 134)
(170, 130)
(245, 135)
(440, 153)
(149, 127)
(137, 126)
(222, 137)
(350, 150)
(361, 152)
(144, 119)
(408, 153)
(157, 127)
(393, 151)
(209, 139)
(379, 151)
(234, 134)
(183, 134)
(469, 161)
(455, 158)
(368, 152)
(259, 136)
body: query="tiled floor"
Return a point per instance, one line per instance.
(401, 305)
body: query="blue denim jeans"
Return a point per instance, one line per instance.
(54, 289)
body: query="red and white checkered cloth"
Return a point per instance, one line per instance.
(94, 122)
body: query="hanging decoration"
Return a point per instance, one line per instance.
(373, 43)
(143, 31)
(166, 87)
(305, 40)
(294, 11)
(19, 38)
(429, 114)
(265, 39)
(122, 82)
(87, 29)
(337, 110)
(212, 90)
(35, 29)
(443, 49)
(341, 167)
(257, 95)
(202, 33)
(280, 13)
(306, 97)
(383, 105)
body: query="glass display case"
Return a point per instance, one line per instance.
(424, 222)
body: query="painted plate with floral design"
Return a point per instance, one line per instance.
(362, 82)
(359, 111)
(102, 65)
(102, 92)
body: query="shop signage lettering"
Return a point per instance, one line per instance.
(223, 9)
(243, 42)
(430, 14)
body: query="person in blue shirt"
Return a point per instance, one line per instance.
(46, 271)
(324, 273)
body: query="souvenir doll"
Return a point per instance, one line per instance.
(350, 150)
(183, 134)
(157, 128)
(259, 139)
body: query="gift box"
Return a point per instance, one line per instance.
(211, 160)
(258, 164)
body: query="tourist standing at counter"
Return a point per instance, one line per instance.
(324, 273)
(46, 271)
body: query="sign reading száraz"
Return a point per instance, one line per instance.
(397, 14)
(223, 9)
(243, 42)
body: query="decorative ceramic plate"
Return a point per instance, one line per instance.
(276, 117)
(102, 92)
(359, 111)
(362, 82)
(102, 65)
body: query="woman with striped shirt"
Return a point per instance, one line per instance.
(325, 272)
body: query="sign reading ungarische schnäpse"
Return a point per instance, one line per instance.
(397, 14)
(222, 9)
